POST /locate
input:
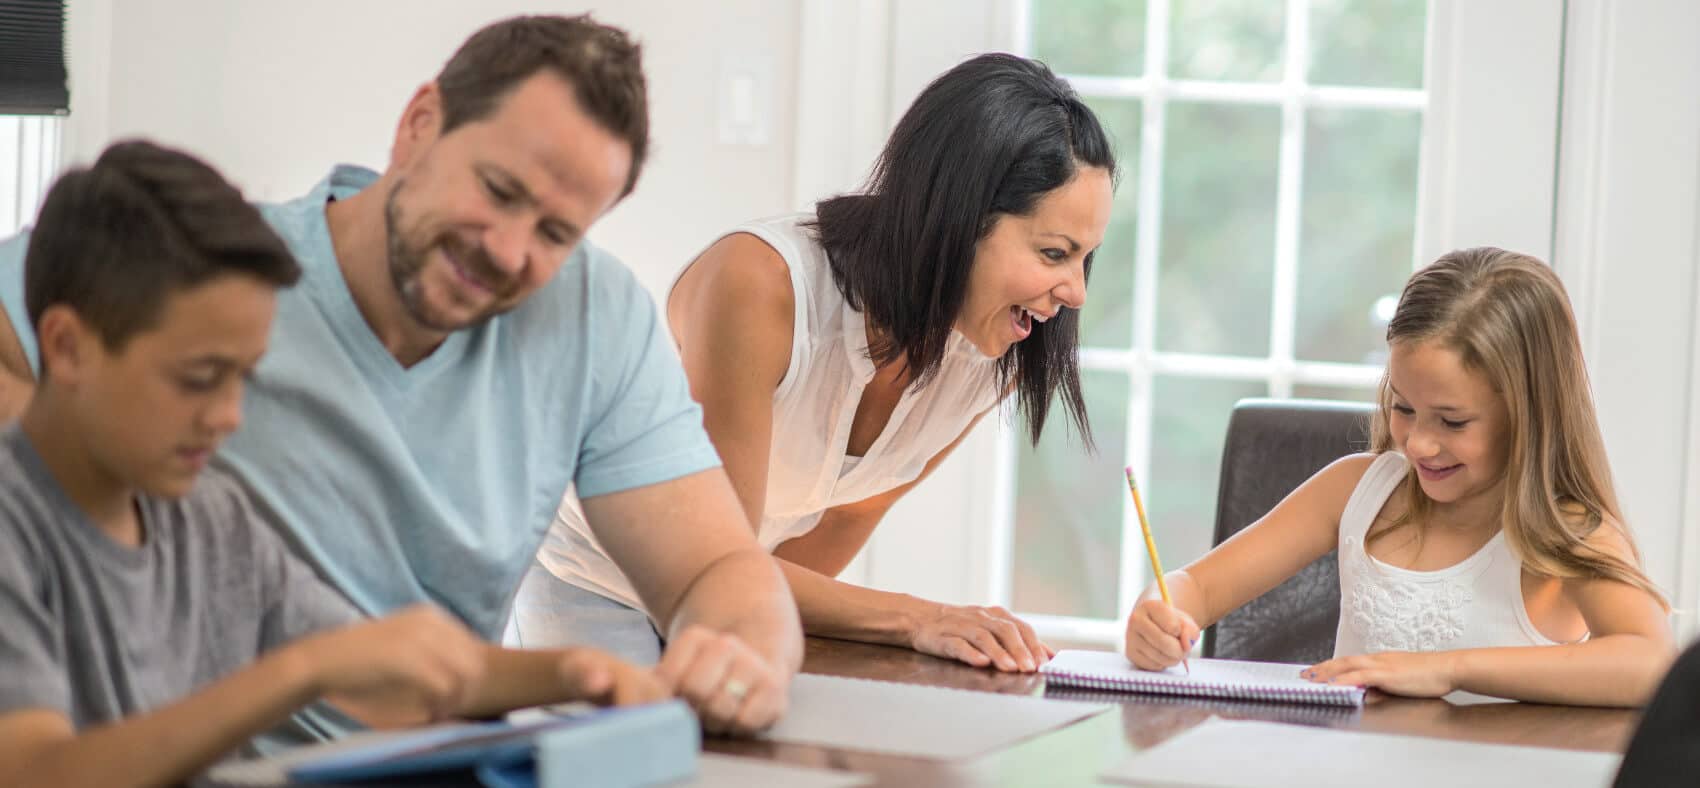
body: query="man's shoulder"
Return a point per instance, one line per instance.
(300, 220)
(594, 299)
(592, 272)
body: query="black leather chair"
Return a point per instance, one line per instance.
(1272, 447)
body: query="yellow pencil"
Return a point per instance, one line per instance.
(1151, 548)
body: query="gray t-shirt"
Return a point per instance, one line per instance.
(101, 631)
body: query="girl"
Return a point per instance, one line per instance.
(840, 355)
(1481, 547)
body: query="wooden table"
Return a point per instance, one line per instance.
(1076, 754)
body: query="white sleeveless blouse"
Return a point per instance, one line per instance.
(1475, 603)
(808, 471)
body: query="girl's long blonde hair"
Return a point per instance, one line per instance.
(1508, 318)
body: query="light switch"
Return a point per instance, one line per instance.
(744, 98)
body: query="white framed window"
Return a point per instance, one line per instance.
(29, 161)
(1264, 225)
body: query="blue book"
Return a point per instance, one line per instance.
(624, 746)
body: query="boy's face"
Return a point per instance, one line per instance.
(155, 410)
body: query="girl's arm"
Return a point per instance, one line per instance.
(1303, 527)
(1620, 664)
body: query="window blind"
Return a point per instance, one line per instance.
(32, 58)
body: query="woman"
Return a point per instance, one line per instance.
(840, 356)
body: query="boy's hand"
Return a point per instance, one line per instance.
(607, 680)
(419, 665)
(1159, 635)
(1414, 674)
(732, 687)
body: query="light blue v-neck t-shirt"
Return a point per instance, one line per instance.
(436, 482)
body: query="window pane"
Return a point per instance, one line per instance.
(1215, 273)
(1358, 225)
(1100, 37)
(1344, 393)
(1189, 422)
(1068, 509)
(1107, 319)
(1235, 40)
(1368, 43)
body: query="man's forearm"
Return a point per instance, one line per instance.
(744, 594)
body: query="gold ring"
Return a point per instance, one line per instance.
(735, 688)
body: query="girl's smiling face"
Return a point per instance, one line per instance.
(1448, 421)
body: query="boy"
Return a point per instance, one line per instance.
(151, 623)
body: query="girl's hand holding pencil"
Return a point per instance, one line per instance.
(1158, 633)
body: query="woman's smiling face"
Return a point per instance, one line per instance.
(1028, 267)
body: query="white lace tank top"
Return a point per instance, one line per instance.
(808, 470)
(1475, 603)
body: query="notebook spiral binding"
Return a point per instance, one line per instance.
(1315, 714)
(1322, 693)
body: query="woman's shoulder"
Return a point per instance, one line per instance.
(739, 276)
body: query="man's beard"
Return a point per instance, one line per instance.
(407, 261)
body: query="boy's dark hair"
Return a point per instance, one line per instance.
(601, 63)
(989, 137)
(114, 240)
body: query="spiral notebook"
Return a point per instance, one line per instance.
(1209, 678)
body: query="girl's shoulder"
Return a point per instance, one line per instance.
(1336, 483)
(1595, 533)
(1349, 471)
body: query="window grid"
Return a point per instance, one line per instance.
(1143, 362)
(29, 160)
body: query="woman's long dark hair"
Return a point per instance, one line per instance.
(989, 137)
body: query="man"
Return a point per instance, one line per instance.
(151, 624)
(455, 356)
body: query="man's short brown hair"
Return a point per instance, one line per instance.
(601, 63)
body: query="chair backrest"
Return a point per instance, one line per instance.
(1273, 446)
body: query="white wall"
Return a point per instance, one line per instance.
(273, 94)
(1627, 247)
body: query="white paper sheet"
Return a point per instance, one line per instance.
(916, 721)
(1238, 754)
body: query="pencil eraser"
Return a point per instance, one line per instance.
(643, 745)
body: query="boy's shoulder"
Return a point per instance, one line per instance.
(23, 498)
